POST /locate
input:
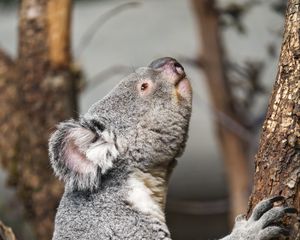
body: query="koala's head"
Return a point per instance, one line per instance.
(142, 123)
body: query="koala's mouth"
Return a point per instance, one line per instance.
(184, 88)
(182, 84)
(181, 78)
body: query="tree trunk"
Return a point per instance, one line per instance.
(232, 147)
(277, 165)
(37, 91)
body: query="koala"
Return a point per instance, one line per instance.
(117, 158)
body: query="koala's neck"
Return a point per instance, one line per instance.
(147, 191)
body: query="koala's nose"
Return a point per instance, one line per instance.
(168, 64)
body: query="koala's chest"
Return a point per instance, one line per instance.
(105, 219)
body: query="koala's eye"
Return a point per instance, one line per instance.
(144, 86)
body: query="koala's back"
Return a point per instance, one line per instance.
(98, 216)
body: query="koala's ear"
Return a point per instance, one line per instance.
(80, 152)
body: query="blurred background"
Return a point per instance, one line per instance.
(57, 57)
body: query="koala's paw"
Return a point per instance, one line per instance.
(265, 222)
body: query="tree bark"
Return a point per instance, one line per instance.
(8, 118)
(39, 91)
(232, 147)
(277, 165)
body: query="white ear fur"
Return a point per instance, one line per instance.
(103, 151)
(79, 154)
(89, 150)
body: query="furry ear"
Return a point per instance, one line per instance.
(81, 151)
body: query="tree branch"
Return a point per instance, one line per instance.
(105, 75)
(100, 21)
(59, 27)
(6, 233)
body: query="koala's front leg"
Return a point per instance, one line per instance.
(263, 224)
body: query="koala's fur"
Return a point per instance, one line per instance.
(117, 158)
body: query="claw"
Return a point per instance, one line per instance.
(290, 210)
(276, 199)
(275, 214)
(285, 232)
(264, 206)
(273, 232)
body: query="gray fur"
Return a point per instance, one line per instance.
(116, 161)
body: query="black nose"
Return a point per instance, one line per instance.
(167, 62)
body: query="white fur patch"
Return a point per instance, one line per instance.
(140, 198)
(82, 137)
(103, 151)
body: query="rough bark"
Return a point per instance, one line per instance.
(212, 62)
(41, 90)
(8, 118)
(277, 165)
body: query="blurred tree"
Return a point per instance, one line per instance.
(38, 89)
(232, 145)
(234, 87)
(277, 165)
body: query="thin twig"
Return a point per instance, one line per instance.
(194, 62)
(100, 21)
(6, 233)
(228, 122)
(221, 116)
(106, 74)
